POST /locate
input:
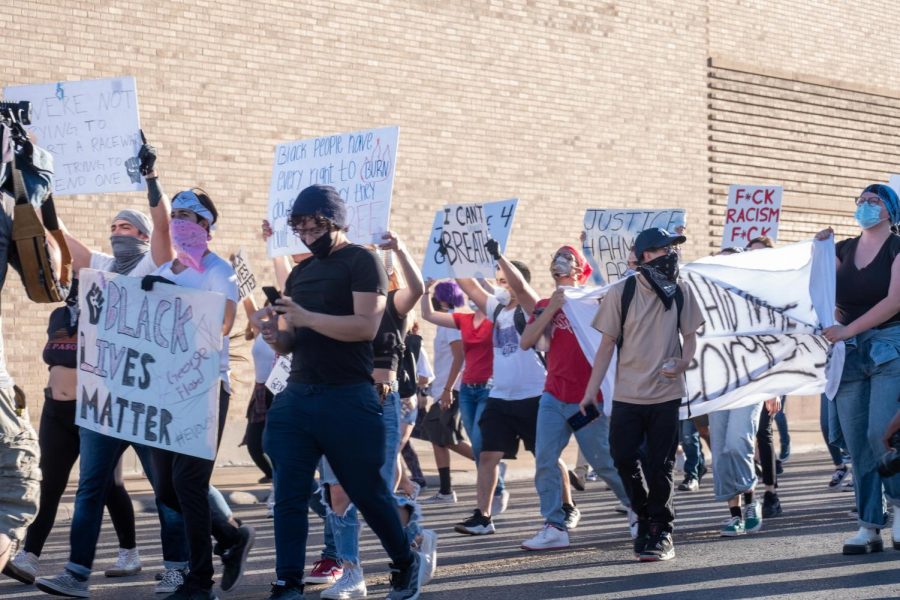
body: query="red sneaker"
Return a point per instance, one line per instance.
(325, 571)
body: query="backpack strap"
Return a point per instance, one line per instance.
(520, 322)
(627, 297)
(497, 311)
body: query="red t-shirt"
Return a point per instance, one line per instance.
(568, 371)
(477, 346)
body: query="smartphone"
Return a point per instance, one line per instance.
(578, 420)
(271, 294)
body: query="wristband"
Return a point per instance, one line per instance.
(154, 191)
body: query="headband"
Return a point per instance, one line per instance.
(188, 200)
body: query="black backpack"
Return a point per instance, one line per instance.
(408, 377)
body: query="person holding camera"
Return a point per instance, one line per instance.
(868, 321)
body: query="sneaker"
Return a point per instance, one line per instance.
(847, 484)
(690, 484)
(771, 505)
(640, 535)
(779, 467)
(633, 525)
(733, 527)
(548, 538)
(64, 584)
(592, 476)
(701, 471)
(265, 480)
(326, 570)
(753, 518)
(865, 541)
(159, 575)
(659, 547)
(352, 584)
(621, 509)
(413, 494)
(837, 478)
(477, 524)
(440, 498)
(573, 516)
(128, 563)
(171, 580)
(575, 481)
(500, 503)
(235, 557)
(785, 454)
(428, 548)
(406, 584)
(23, 567)
(281, 590)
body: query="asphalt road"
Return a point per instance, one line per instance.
(797, 555)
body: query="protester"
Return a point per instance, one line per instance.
(841, 479)
(694, 460)
(868, 321)
(649, 383)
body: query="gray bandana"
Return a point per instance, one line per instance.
(128, 252)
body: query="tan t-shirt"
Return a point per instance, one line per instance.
(650, 337)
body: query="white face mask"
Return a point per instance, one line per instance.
(502, 296)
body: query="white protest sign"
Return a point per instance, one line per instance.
(277, 379)
(499, 216)
(894, 183)
(359, 165)
(148, 367)
(463, 235)
(91, 128)
(245, 277)
(610, 232)
(752, 211)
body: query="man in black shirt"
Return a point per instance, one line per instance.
(329, 315)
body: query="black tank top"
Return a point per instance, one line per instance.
(388, 343)
(61, 349)
(858, 290)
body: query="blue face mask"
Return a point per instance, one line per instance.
(868, 215)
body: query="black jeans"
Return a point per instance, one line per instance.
(60, 446)
(765, 441)
(648, 479)
(183, 485)
(253, 438)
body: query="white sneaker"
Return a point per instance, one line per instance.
(171, 580)
(632, 524)
(428, 549)
(621, 508)
(865, 541)
(440, 498)
(895, 528)
(499, 503)
(548, 538)
(352, 584)
(128, 563)
(23, 567)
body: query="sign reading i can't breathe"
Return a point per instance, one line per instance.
(359, 165)
(464, 232)
(92, 130)
(148, 363)
(752, 211)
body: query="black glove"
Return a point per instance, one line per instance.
(147, 156)
(493, 248)
(148, 280)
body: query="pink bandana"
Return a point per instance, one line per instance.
(190, 241)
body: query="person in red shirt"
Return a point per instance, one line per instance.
(568, 372)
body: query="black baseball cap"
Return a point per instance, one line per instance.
(653, 239)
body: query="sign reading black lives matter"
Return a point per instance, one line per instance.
(610, 233)
(148, 363)
(245, 277)
(92, 130)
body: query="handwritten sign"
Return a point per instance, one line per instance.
(609, 234)
(245, 277)
(894, 182)
(277, 379)
(91, 128)
(752, 211)
(499, 216)
(148, 363)
(360, 165)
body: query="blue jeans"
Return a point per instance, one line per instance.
(733, 436)
(693, 452)
(345, 424)
(867, 399)
(831, 431)
(99, 456)
(553, 434)
(472, 400)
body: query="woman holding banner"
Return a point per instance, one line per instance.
(868, 320)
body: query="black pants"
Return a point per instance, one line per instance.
(765, 441)
(183, 485)
(648, 479)
(253, 438)
(60, 447)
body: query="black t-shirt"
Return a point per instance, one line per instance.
(388, 342)
(326, 286)
(859, 290)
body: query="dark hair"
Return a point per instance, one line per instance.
(523, 269)
(207, 203)
(763, 239)
(731, 250)
(449, 293)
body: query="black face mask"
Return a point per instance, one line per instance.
(662, 274)
(322, 245)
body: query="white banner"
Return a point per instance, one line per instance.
(752, 211)
(763, 310)
(148, 369)
(91, 128)
(277, 380)
(245, 277)
(359, 165)
(610, 232)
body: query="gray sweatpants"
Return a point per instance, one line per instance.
(20, 473)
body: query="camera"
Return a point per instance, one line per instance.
(16, 112)
(890, 461)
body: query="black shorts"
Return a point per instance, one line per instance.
(443, 427)
(504, 422)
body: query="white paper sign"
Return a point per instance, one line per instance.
(610, 232)
(894, 183)
(148, 367)
(91, 128)
(277, 380)
(245, 277)
(499, 215)
(463, 235)
(360, 165)
(752, 211)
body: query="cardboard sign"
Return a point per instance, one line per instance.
(148, 363)
(360, 165)
(894, 183)
(610, 232)
(277, 379)
(91, 128)
(499, 216)
(752, 211)
(245, 277)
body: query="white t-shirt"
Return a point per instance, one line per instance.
(217, 276)
(443, 359)
(106, 262)
(518, 374)
(423, 366)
